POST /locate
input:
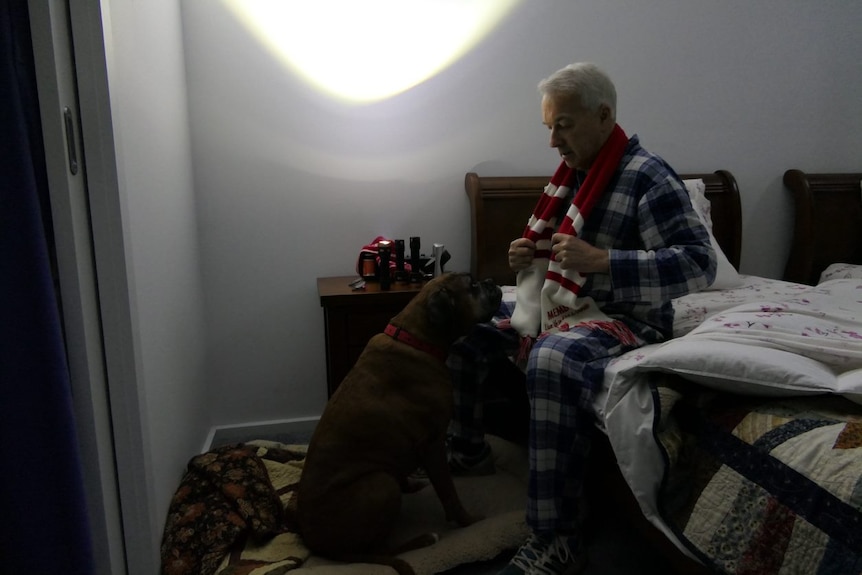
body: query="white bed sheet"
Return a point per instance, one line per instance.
(766, 337)
(691, 310)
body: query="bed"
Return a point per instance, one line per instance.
(736, 446)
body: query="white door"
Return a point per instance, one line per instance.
(55, 72)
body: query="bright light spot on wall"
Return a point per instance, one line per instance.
(368, 50)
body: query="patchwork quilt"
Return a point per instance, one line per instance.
(767, 486)
(742, 439)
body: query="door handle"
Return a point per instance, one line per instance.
(70, 140)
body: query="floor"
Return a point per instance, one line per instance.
(612, 550)
(613, 547)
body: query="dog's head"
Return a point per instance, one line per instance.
(455, 302)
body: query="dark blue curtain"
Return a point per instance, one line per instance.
(43, 516)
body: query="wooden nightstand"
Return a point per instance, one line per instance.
(352, 317)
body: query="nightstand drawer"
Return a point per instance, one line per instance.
(361, 326)
(351, 318)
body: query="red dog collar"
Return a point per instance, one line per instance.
(399, 334)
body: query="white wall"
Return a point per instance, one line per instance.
(239, 192)
(290, 183)
(157, 225)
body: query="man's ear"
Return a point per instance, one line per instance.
(604, 112)
(441, 308)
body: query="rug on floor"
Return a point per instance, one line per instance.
(499, 498)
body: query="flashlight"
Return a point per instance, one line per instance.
(384, 250)
(415, 272)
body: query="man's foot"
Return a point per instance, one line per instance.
(548, 554)
(471, 460)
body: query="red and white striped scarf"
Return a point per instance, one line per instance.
(547, 297)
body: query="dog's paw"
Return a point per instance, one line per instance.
(470, 519)
(463, 518)
(418, 542)
(413, 484)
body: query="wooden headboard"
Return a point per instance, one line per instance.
(828, 224)
(500, 207)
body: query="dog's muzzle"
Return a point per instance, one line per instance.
(490, 295)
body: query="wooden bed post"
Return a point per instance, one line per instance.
(828, 223)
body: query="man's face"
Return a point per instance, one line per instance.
(577, 133)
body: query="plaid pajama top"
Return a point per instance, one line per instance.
(659, 249)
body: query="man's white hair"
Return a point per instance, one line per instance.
(586, 81)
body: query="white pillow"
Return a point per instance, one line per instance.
(850, 385)
(840, 271)
(726, 275)
(744, 369)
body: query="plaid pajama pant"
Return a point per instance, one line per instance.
(564, 372)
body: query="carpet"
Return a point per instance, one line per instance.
(499, 498)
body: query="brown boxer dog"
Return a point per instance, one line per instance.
(388, 418)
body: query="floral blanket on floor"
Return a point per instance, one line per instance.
(231, 514)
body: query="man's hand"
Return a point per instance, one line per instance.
(573, 253)
(521, 254)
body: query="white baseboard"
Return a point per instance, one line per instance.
(262, 428)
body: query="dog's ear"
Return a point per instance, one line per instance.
(441, 308)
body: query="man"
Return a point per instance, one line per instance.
(613, 240)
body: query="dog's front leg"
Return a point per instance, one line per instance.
(412, 484)
(437, 467)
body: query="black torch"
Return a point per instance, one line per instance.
(415, 272)
(400, 272)
(384, 250)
